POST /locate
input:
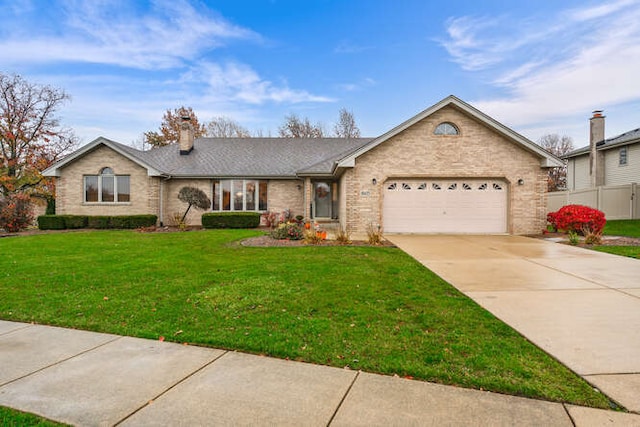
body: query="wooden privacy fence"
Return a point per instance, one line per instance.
(616, 201)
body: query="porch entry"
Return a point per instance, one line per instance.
(325, 199)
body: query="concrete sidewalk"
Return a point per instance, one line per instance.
(581, 306)
(91, 379)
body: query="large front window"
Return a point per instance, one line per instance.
(107, 187)
(239, 195)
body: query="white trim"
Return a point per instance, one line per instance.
(547, 159)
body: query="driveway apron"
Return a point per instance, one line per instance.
(581, 306)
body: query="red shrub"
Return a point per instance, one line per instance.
(578, 218)
(15, 212)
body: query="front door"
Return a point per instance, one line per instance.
(323, 199)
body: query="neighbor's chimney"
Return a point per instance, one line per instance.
(596, 158)
(186, 135)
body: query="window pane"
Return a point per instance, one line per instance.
(107, 189)
(90, 188)
(238, 195)
(263, 196)
(226, 195)
(251, 195)
(216, 195)
(106, 171)
(123, 188)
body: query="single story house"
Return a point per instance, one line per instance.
(604, 162)
(449, 169)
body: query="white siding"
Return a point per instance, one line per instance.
(578, 173)
(616, 174)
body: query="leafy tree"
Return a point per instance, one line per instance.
(558, 145)
(169, 131)
(295, 127)
(346, 126)
(194, 197)
(225, 127)
(31, 138)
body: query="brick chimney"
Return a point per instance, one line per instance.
(186, 137)
(596, 158)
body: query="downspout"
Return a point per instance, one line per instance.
(160, 216)
(161, 200)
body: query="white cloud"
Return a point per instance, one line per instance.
(576, 61)
(234, 81)
(108, 32)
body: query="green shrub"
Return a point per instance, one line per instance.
(99, 222)
(51, 222)
(61, 222)
(132, 221)
(51, 206)
(74, 221)
(230, 220)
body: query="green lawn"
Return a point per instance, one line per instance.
(630, 251)
(623, 227)
(374, 309)
(12, 418)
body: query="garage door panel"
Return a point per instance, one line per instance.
(445, 206)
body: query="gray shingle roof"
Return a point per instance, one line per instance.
(622, 139)
(252, 157)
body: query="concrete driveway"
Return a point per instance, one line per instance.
(581, 306)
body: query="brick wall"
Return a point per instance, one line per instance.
(70, 186)
(476, 152)
(284, 194)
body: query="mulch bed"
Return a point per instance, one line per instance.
(268, 241)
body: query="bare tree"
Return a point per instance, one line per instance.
(170, 127)
(558, 145)
(225, 127)
(346, 126)
(294, 127)
(31, 138)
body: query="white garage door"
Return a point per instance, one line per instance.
(445, 206)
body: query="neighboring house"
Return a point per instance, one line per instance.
(449, 169)
(613, 161)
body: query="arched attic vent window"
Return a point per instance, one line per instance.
(446, 128)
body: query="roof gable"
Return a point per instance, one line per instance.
(130, 153)
(546, 159)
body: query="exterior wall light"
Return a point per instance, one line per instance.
(521, 181)
(374, 181)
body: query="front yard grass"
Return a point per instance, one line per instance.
(12, 418)
(374, 309)
(629, 251)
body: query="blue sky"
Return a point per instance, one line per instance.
(537, 66)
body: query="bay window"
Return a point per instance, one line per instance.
(239, 195)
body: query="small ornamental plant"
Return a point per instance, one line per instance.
(288, 231)
(193, 197)
(15, 212)
(581, 219)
